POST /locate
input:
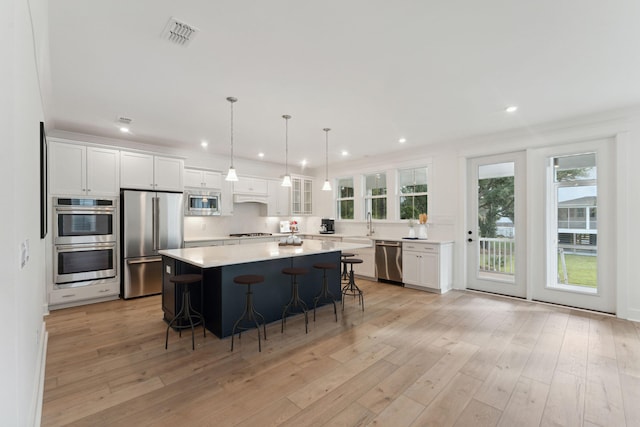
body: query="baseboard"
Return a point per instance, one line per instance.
(35, 414)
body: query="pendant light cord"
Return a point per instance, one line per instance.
(326, 159)
(286, 118)
(231, 100)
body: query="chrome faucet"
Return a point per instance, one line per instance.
(370, 225)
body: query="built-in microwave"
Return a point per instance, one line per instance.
(201, 203)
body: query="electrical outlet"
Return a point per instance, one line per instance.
(168, 268)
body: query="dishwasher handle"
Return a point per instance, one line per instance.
(389, 245)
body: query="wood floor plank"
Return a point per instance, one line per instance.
(402, 412)
(631, 395)
(392, 387)
(497, 388)
(526, 404)
(447, 406)
(478, 414)
(411, 358)
(427, 387)
(603, 398)
(542, 361)
(565, 403)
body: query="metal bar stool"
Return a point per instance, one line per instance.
(186, 310)
(250, 314)
(324, 294)
(345, 272)
(351, 288)
(295, 301)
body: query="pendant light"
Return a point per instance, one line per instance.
(286, 181)
(231, 175)
(327, 185)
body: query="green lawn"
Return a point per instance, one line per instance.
(581, 269)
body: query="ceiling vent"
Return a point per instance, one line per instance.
(124, 120)
(178, 32)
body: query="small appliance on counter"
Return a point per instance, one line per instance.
(327, 226)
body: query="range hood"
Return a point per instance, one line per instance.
(250, 198)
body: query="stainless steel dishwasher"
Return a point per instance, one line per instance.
(389, 260)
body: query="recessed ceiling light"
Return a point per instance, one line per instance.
(511, 109)
(345, 153)
(304, 162)
(204, 144)
(402, 140)
(261, 155)
(124, 129)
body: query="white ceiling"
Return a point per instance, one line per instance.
(373, 71)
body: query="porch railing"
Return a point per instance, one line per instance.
(496, 255)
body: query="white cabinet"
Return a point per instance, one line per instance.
(83, 170)
(427, 266)
(226, 198)
(249, 185)
(366, 254)
(61, 298)
(146, 171)
(198, 178)
(278, 203)
(301, 196)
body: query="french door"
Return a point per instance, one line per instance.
(575, 211)
(496, 234)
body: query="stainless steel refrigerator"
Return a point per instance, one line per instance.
(150, 221)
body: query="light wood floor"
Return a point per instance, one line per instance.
(412, 359)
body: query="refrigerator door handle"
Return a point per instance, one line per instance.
(144, 260)
(154, 223)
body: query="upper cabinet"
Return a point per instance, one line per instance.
(146, 171)
(78, 170)
(278, 203)
(248, 185)
(301, 196)
(198, 178)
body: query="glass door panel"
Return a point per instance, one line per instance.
(495, 218)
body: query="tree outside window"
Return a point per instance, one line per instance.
(376, 195)
(345, 200)
(413, 192)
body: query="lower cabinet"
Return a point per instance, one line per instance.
(62, 298)
(427, 266)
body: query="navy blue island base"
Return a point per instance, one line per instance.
(223, 301)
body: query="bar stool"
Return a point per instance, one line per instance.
(351, 288)
(186, 310)
(324, 294)
(295, 301)
(345, 272)
(250, 314)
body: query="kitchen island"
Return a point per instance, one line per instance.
(221, 301)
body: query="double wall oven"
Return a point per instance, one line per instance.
(85, 241)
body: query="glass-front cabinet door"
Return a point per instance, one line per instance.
(301, 196)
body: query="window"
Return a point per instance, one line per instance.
(375, 195)
(345, 198)
(412, 185)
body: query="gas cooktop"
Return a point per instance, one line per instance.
(249, 234)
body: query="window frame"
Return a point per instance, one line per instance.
(339, 199)
(369, 199)
(400, 194)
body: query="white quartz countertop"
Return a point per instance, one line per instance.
(218, 256)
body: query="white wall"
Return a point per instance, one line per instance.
(21, 289)
(448, 188)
